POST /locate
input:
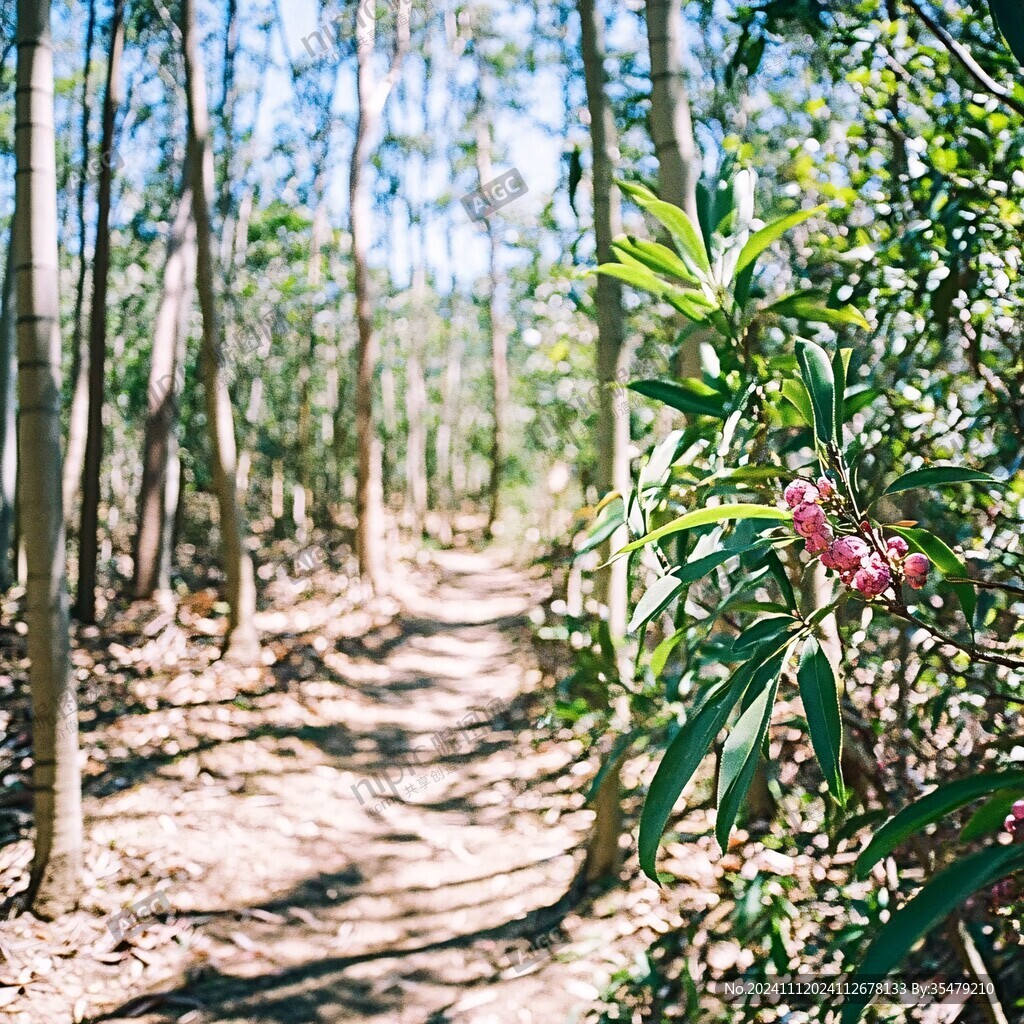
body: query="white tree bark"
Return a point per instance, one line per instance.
(56, 877)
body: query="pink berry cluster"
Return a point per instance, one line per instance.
(859, 558)
(1014, 823)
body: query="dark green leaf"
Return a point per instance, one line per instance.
(989, 817)
(937, 476)
(820, 697)
(940, 802)
(653, 255)
(1009, 18)
(816, 371)
(688, 395)
(931, 905)
(681, 759)
(742, 748)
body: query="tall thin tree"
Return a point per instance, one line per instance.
(8, 418)
(160, 463)
(603, 854)
(88, 535)
(78, 419)
(242, 642)
(56, 876)
(371, 96)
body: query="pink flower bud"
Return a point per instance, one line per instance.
(1018, 810)
(800, 492)
(819, 542)
(1010, 824)
(873, 577)
(825, 487)
(915, 568)
(896, 546)
(846, 554)
(809, 519)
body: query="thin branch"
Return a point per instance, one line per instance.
(962, 54)
(899, 609)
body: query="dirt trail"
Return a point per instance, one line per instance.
(297, 896)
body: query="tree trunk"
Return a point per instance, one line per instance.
(672, 131)
(371, 97)
(8, 419)
(613, 429)
(88, 534)
(56, 877)
(603, 853)
(495, 325)
(242, 643)
(671, 124)
(78, 419)
(416, 411)
(161, 468)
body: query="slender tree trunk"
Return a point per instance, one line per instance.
(160, 463)
(672, 130)
(671, 124)
(495, 325)
(56, 877)
(371, 97)
(8, 419)
(416, 411)
(88, 534)
(78, 420)
(603, 854)
(242, 643)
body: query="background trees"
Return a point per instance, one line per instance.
(300, 340)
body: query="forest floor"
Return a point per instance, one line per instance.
(242, 800)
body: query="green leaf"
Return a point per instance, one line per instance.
(653, 255)
(946, 562)
(675, 220)
(688, 395)
(796, 394)
(810, 307)
(820, 697)
(839, 364)
(816, 371)
(1009, 20)
(770, 628)
(931, 905)
(600, 531)
(636, 276)
(661, 653)
(939, 803)
(760, 240)
(696, 568)
(656, 598)
(937, 476)
(742, 749)
(681, 760)
(681, 229)
(705, 516)
(989, 817)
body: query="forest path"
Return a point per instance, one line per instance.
(312, 901)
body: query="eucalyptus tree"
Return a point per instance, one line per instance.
(242, 642)
(88, 535)
(612, 442)
(371, 95)
(56, 876)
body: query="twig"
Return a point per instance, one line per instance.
(973, 68)
(899, 609)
